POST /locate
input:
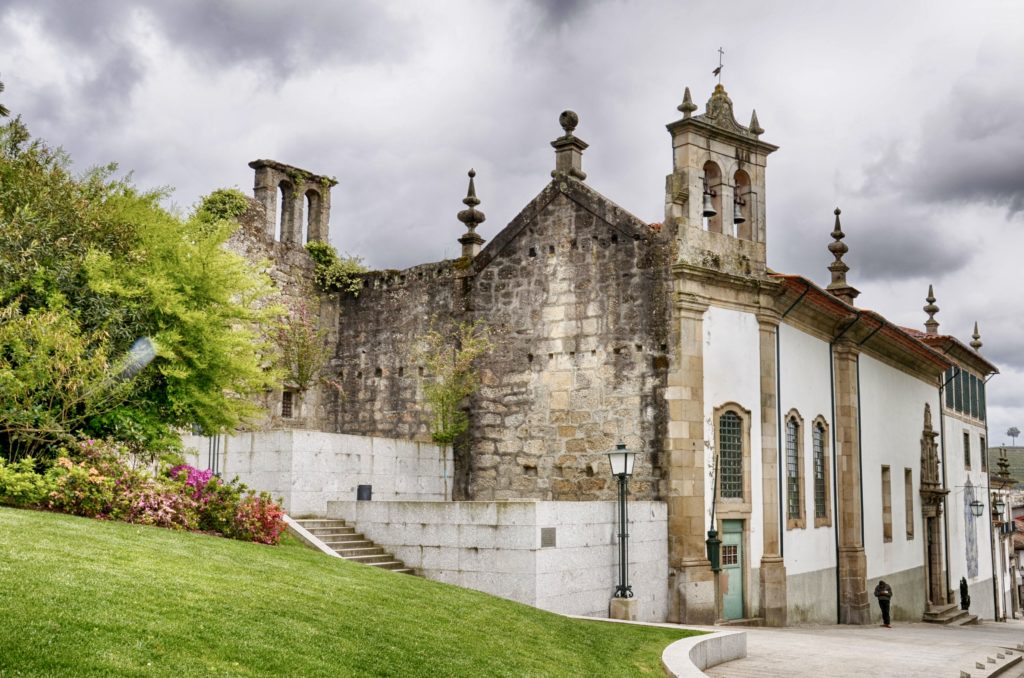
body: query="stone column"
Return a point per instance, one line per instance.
(773, 568)
(265, 190)
(692, 599)
(853, 595)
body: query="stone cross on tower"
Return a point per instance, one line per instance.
(471, 217)
(839, 287)
(931, 325)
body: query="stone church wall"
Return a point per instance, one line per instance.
(579, 306)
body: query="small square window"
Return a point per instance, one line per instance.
(730, 554)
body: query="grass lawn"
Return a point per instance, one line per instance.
(86, 597)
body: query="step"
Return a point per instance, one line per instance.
(389, 565)
(335, 532)
(965, 620)
(372, 559)
(316, 523)
(360, 551)
(338, 546)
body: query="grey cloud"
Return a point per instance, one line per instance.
(888, 240)
(555, 13)
(972, 150)
(281, 37)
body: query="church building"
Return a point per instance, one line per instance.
(816, 445)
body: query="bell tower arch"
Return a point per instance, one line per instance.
(715, 196)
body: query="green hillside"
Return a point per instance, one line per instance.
(85, 597)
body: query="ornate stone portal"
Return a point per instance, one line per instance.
(933, 496)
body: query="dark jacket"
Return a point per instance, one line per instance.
(883, 591)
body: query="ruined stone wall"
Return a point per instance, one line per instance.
(291, 270)
(376, 363)
(579, 304)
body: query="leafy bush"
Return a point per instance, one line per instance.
(80, 489)
(97, 479)
(334, 273)
(231, 509)
(21, 486)
(259, 519)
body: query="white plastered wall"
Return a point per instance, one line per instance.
(892, 419)
(805, 385)
(957, 475)
(732, 373)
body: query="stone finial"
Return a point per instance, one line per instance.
(755, 127)
(471, 217)
(838, 268)
(931, 325)
(569, 149)
(687, 107)
(976, 338)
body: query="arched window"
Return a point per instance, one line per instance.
(730, 441)
(819, 442)
(313, 216)
(712, 197)
(283, 228)
(743, 201)
(794, 472)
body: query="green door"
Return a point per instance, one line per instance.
(732, 569)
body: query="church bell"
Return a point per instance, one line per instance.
(737, 211)
(709, 206)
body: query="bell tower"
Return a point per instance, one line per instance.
(715, 194)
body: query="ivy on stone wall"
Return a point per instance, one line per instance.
(335, 273)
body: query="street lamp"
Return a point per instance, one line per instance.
(977, 508)
(998, 506)
(622, 467)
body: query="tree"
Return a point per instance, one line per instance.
(3, 110)
(449, 357)
(1013, 432)
(89, 265)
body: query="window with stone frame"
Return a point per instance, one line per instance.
(967, 450)
(886, 505)
(822, 496)
(732, 450)
(908, 500)
(730, 455)
(287, 403)
(794, 471)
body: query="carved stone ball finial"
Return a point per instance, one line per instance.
(931, 325)
(471, 217)
(976, 338)
(569, 149)
(687, 107)
(568, 120)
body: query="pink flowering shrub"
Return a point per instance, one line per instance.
(259, 519)
(97, 480)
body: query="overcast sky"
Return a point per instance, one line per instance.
(907, 115)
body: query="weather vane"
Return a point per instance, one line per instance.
(718, 71)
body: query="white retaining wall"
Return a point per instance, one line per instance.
(307, 469)
(495, 547)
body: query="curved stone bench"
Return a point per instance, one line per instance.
(688, 657)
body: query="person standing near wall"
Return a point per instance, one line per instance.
(884, 594)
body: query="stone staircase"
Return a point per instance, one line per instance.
(997, 661)
(350, 545)
(948, 615)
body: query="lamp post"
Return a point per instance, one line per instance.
(622, 467)
(977, 508)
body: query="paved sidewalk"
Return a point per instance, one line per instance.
(905, 651)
